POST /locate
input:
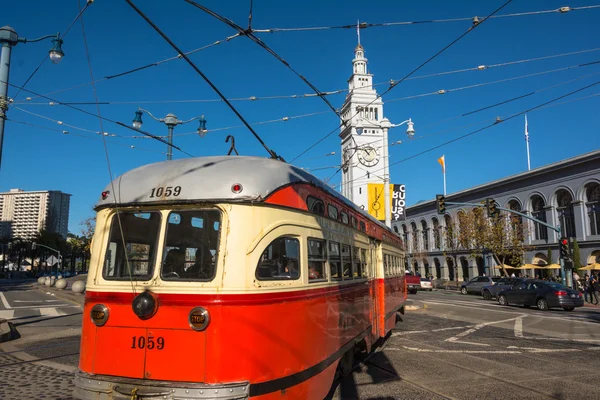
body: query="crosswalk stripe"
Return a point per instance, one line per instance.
(7, 314)
(49, 312)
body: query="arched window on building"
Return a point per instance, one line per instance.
(566, 214)
(405, 237)
(448, 231)
(425, 233)
(436, 232)
(516, 221)
(592, 203)
(540, 232)
(462, 235)
(415, 237)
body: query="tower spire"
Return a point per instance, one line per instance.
(358, 30)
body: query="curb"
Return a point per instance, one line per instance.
(7, 331)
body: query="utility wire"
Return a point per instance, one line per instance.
(143, 67)
(364, 25)
(248, 33)
(97, 116)
(80, 135)
(394, 84)
(252, 98)
(292, 96)
(110, 174)
(542, 105)
(166, 38)
(81, 11)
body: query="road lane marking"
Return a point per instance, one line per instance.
(36, 301)
(49, 312)
(538, 350)
(519, 327)
(471, 343)
(432, 330)
(476, 328)
(455, 351)
(7, 314)
(4, 301)
(578, 320)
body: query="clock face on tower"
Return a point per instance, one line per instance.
(368, 156)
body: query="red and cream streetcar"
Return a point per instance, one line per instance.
(232, 278)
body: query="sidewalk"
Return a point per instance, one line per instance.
(65, 294)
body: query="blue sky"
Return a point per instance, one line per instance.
(35, 158)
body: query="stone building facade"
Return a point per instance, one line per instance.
(565, 194)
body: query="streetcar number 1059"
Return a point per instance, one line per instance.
(150, 343)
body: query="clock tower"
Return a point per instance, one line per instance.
(364, 144)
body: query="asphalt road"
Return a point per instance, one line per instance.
(462, 347)
(454, 347)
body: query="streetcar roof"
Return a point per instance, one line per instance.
(210, 179)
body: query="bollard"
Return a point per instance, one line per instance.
(78, 287)
(47, 281)
(41, 280)
(61, 284)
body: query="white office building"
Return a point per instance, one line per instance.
(23, 214)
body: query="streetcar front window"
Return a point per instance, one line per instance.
(191, 245)
(131, 245)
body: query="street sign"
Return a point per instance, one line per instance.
(52, 260)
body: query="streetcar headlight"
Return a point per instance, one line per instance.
(99, 314)
(145, 305)
(199, 318)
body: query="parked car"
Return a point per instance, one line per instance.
(542, 294)
(476, 284)
(491, 291)
(413, 283)
(426, 284)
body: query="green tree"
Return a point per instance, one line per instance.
(549, 257)
(576, 255)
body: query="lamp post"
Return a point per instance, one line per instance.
(34, 245)
(171, 121)
(8, 39)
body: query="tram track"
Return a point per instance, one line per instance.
(483, 374)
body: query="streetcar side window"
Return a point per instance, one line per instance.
(363, 262)
(332, 211)
(334, 261)
(131, 245)
(344, 217)
(315, 205)
(346, 262)
(280, 260)
(363, 226)
(191, 246)
(354, 222)
(316, 260)
(356, 261)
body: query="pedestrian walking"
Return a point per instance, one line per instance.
(594, 287)
(587, 292)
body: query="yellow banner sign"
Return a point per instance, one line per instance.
(376, 196)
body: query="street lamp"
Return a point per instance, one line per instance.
(8, 39)
(410, 132)
(34, 245)
(171, 121)
(385, 125)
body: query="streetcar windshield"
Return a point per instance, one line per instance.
(132, 245)
(191, 245)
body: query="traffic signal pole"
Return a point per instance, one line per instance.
(567, 281)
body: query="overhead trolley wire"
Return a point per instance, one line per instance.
(176, 48)
(97, 116)
(248, 33)
(481, 67)
(364, 25)
(394, 84)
